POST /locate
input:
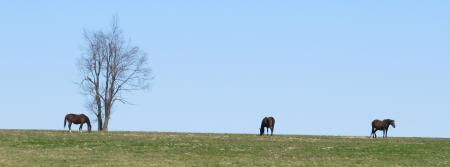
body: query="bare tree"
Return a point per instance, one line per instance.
(111, 67)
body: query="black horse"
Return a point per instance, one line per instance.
(267, 122)
(381, 125)
(77, 119)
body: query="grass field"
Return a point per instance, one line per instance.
(58, 148)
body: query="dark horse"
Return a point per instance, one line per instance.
(267, 122)
(381, 125)
(77, 119)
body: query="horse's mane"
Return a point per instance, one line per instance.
(388, 120)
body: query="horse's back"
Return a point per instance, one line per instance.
(77, 118)
(377, 124)
(75, 115)
(273, 121)
(270, 122)
(70, 115)
(375, 121)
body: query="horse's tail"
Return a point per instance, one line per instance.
(273, 122)
(65, 120)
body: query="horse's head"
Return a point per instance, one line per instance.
(89, 127)
(388, 122)
(88, 122)
(261, 131)
(393, 123)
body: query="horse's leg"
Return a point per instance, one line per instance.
(271, 130)
(386, 132)
(375, 134)
(70, 127)
(81, 128)
(371, 134)
(267, 131)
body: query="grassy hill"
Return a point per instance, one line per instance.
(58, 148)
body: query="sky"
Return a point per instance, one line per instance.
(319, 67)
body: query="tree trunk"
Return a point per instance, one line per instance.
(99, 109)
(100, 122)
(105, 125)
(107, 116)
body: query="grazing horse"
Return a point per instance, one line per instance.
(267, 122)
(77, 119)
(381, 125)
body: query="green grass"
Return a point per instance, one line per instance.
(58, 148)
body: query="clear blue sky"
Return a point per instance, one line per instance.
(318, 67)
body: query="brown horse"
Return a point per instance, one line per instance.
(381, 125)
(267, 122)
(77, 119)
